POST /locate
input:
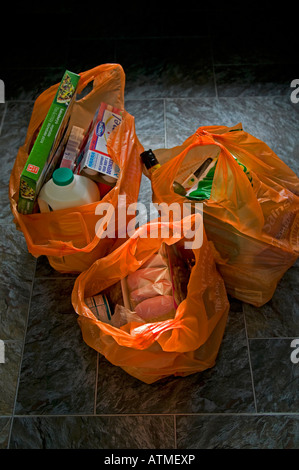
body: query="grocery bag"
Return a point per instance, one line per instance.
(251, 214)
(149, 350)
(68, 236)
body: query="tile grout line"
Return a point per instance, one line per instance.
(198, 96)
(49, 278)
(21, 358)
(250, 365)
(213, 68)
(3, 117)
(175, 433)
(137, 415)
(266, 338)
(96, 385)
(165, 123)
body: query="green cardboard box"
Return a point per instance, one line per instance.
(49, 144)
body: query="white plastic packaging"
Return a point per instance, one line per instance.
(66, 190)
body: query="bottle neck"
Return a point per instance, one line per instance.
(153, 168)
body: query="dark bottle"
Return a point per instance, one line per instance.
(151, 164)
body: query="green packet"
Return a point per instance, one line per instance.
(48, 145)
(204, 186)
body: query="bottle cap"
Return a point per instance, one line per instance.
(149, 159)
(63, 176)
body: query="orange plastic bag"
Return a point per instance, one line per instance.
(180, 346)
(67, 237)
(254, 226)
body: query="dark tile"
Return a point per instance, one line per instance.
(35, 26)
(4, 432)
(33, 53)
(5, 214)
(93, 432)
(150, 130)
(2, 109)
(28, 83)
(16, 275)
(149, 20)
(118, 392)
(280, 316)
(86, 53)
(149, 121)
(237, 432)
(58, 369)
(166, 67)
(14, 303)
(275, 376)
(9, 373)
(255, 35)
(254, 79)
(13, 134)
(45, 270)
(14, 252)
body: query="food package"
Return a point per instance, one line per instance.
(94, 159)
(152, 292)
(48, 145)
(70, 153)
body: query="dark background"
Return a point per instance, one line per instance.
(149, 39)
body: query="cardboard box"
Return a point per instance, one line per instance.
(100, 307)
(48, 145)
(94, 159)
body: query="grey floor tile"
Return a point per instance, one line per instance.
(149, 121)
(45, 270)
(118, 392)
(93, 432)
(2, 109)
(13, 135)
(4, 432)
(14, 249)
(255, 79)
(280, 316)
(58, 369)
(237, 432)
(273, 120)
(6, 216)
(16, 275)
(275, 376)
(9, 374)
(147, 210)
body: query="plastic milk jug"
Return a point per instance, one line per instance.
(65, 190)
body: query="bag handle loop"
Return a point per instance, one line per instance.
(243, 210)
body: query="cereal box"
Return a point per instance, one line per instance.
(48, 145)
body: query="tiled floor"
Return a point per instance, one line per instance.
(56, 392)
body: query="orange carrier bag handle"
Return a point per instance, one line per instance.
(234, 203)
(254, 153)
(71, 231)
